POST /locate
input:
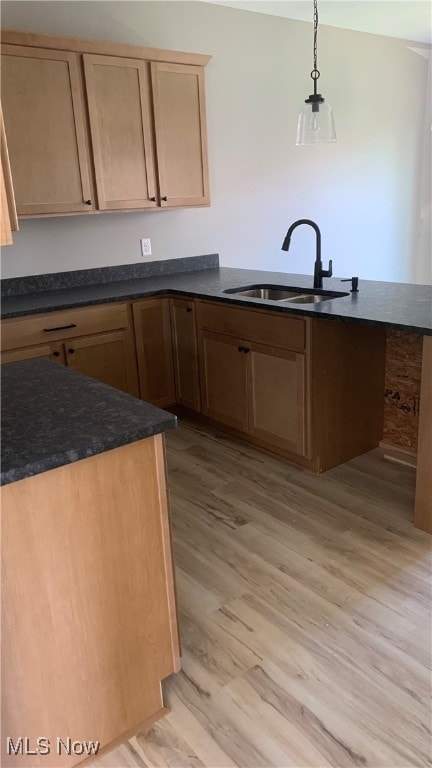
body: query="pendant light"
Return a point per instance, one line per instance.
(315, 120)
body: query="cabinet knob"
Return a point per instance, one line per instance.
(246, 350)
(153, 199)
(88, 202)
(164, 198)
(188, 309)
(56, 354)
(240, 349)
(71, 350)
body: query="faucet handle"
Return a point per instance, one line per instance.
(328, 272)
(354, 283)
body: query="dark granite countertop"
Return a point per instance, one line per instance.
(52, 416)
(400, 306)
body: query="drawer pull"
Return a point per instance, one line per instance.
(60, 328)
(56, 354)
(71, 351)
(188, 309)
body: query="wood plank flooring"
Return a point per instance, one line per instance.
(305, 615)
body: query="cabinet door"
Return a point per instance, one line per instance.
(185, 351)
(8, 220)
(180, 130)
(154, 351)
(277, 397)
(224, 386)
(54, 352)
(118, 100)
(108, 357)
(43, 113)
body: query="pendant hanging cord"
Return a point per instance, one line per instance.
(316, 35)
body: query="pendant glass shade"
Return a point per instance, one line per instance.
(315, 126)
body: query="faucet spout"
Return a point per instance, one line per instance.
(319, 272)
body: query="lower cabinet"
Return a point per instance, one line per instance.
(254, 388)
(308, 389)
(185, 352)
(277, 397)
(97, 341)
(102, 579)
(154, 351)
(54, 352)
(108, 357)
(224, 376)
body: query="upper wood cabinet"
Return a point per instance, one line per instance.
(119, 110)
(180, 131)
(44, 120)
(89, 131)
(8, 216)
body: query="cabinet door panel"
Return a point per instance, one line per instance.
(8, 218)
(43, 114)
(180, 128)
(224, 379)
(106, 357)
(118, 99)
(277, 397)
(185, 351)
(54, 352)
(154, 351)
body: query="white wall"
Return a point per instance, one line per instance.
(364, 191)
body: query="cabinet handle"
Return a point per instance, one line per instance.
(164, 198)
(246, 350)
(240, 349)
(71, 351)
(153, 199)
(88, 202)
(60, 328)
(56, 354)
(188, 309)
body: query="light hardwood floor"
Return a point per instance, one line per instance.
(305, 615)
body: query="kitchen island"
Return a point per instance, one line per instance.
(160, 293)
(89, 627)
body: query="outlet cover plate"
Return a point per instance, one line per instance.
(146, 247)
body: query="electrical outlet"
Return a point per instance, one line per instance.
(145, 247)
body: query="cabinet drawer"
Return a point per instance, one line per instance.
(262, 327)
(52, 326)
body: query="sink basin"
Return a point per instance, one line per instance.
(270, 294)
(312, 298)
(288, 294)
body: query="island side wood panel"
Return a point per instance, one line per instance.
(88, 609)
(423, 503)
(402, 390)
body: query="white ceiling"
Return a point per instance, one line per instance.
(407, 19)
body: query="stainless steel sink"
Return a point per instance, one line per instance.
(311, 298)
(270, 294)
(288, 294)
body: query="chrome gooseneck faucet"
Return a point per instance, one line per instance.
(319, 272)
